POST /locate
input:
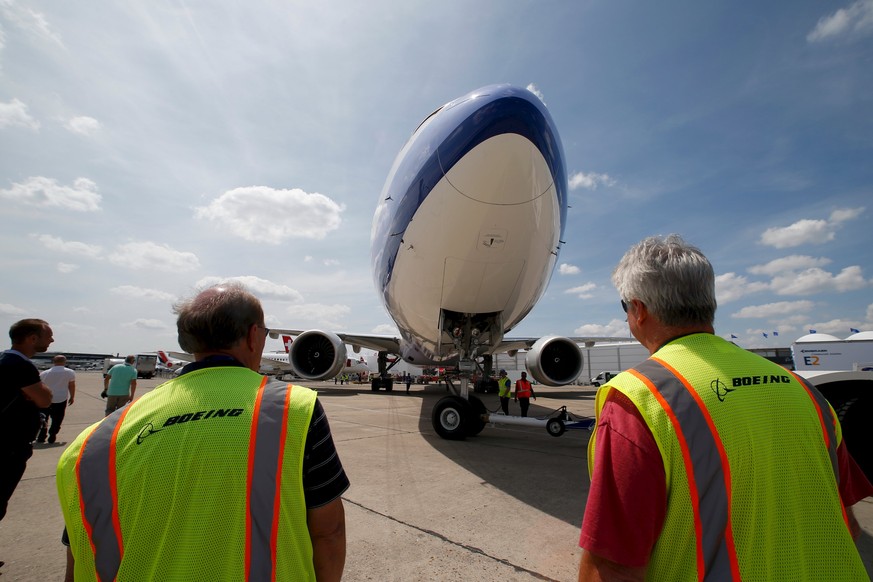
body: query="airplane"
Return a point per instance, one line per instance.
(276, 363)
(465, 237)
(167, 363)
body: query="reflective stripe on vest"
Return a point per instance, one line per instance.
(705, 465)
(266, 452)
(98, 498)
(522, 389)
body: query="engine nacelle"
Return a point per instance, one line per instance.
(317, 355)
(554, 361)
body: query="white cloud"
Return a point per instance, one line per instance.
(837, 327)
(567, 269)
(142, 293)
(83, 125)
(808, 231)
(149, 255)
(801, 232)
(615, 328)
(844, 214)
(854, 20)
(15, 113)
(67, 267)
(388, 329)
(730, 287)
(582, 291)
(29, 21)
(59, 245)
(7, 309)
(815, 280)
(318, 313)
(267, 215)
(533, 89)
(39, 191)
(262, 288)
(590, 181)
(788, 264)
(778, 309)
(152, 324)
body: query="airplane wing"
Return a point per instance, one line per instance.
(379, 343)
(391, 344)
(526, 343)
(275, 365)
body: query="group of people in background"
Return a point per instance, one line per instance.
(522, 393)
(692, 477)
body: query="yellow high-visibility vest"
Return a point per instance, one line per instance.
(200, 479)
(749, 454)
(505, 387)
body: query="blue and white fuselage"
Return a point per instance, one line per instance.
(469, 224)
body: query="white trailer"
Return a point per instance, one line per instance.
(829, 353)
(611, 357)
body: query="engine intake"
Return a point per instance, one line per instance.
(554, 361)
(317, 355)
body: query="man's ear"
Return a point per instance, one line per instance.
(252, 337)
(639, 311)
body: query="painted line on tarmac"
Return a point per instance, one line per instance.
(471, 549)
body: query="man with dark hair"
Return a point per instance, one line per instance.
(22, 395)
(709, 462)
(219, 473)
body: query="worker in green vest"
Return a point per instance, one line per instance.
(707, 461)
(219, 474)
(504, 391)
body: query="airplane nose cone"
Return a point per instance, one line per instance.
(518, 173)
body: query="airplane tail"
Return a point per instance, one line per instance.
(286, 339)
(163, 357)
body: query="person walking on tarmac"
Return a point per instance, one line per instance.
(523, 393)
(218, 474)
(709, 462)
(504, 390)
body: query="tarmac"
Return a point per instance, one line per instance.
(505, 505)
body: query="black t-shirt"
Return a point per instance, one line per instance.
(19, 417)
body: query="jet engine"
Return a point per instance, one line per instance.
(554, 361)
(317, 355)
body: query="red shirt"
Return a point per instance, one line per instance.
(627, 501)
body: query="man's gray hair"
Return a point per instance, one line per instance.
(672, 278)
(217, 317)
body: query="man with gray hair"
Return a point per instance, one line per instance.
(219, 473)
(708, 461)
(61, 380)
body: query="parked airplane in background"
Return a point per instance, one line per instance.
(464, 240)
(165, 362)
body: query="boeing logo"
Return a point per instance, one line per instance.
(720, 389)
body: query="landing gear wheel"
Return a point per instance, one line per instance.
(555, 427)
(374, 384)
(450, 417)
(475, 424)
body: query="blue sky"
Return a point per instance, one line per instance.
(148, 148)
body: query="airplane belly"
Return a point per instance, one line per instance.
(483, 240)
